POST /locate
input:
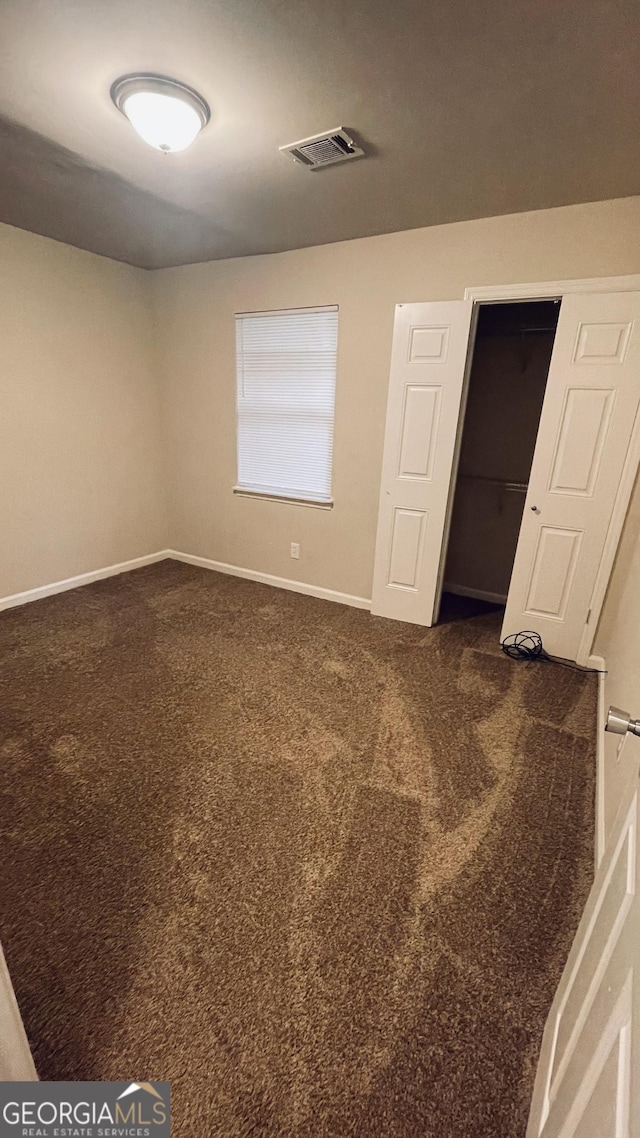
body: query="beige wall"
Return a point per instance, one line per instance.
(81, 482)
(366, 278)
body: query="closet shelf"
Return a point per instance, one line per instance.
(504, 483)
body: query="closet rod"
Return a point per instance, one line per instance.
(514, 331)
(505, 483)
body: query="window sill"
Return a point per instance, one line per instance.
(287, 498)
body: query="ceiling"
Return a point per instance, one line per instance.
(465, 109)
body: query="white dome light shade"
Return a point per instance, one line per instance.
(165, 113)
(161, 120)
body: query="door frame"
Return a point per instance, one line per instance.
(486, 294)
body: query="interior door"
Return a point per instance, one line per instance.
(15, 1057)
(588, 1079)
(590, 404)
(428, 358)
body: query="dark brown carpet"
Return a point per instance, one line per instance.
(318, 869)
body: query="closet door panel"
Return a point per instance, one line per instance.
(428, 358)
(583, 433)
(590, 405)
(419, 431)
(554, 565)
(406, 548)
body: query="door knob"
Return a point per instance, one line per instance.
(535, 509)
(620, 722)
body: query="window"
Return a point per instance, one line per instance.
(286, 378)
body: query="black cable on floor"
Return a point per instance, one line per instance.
(528, 646)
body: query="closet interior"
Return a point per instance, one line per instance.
(510, 363)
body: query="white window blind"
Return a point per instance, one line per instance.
(286, 379)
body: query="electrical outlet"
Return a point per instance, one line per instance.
(295, 549)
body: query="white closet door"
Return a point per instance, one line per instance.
(16, 1063)
(430, 343)
(588, 1079)
(590, 404)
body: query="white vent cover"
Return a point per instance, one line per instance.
(323, 149)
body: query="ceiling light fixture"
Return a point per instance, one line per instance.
(168, 115)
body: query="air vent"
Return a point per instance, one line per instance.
(323, 149)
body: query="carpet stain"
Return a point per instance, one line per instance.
(320, 870)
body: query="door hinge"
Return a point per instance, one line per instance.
(588, 617)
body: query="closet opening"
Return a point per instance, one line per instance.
(507, 380)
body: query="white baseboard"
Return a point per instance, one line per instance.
(82, 579)
(600, 663)
(175, 555)
(269, 579)
(479, 594)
